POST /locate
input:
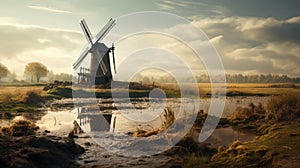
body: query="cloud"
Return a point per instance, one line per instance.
(263, 45)
(56, 48)
(190, 8)
(18, 38)
(47, 9)
(245, 44)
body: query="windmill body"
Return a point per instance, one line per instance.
(98, 70)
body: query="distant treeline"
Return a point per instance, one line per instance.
(34, 72)
(230, 78)
(59, 77)
(269, 78)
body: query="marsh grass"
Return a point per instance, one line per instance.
(20, 128)
(285, 107)
(278, 125)
(251, 112)
(196, 161)
(269, 150)
(167, 120)
(14, 95)
(33, 98)
(235, 89)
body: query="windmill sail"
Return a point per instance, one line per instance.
(86, 31)
(83, 54)
(102, 33)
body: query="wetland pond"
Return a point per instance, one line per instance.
(112, 128)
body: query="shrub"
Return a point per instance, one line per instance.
(284, 107)
(33, 98)
(248, 113)
(20, 128)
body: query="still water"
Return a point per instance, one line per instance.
(112, 124)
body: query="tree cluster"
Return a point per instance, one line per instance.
(34, 72)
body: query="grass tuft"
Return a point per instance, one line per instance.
(20, 128)
(284, 107)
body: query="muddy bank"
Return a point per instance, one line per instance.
(97, 156)
(35, 151)
(21, 146)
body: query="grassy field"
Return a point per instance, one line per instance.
(16, 93)
(243, 89)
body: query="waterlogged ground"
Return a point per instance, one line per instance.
(114, 135)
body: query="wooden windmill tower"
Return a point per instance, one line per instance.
(99, 70)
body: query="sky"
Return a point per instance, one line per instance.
(258, 36)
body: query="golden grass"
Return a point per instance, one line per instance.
(20, 90)
(20, 128)
(16, 94)
(12, 94)
(284, 108)
(246, 88)
(167, 121)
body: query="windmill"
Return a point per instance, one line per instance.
(99, 70)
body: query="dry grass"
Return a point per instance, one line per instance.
(278, 148)
(248, 113)
(196, 161)
(167, 121)
(240, 89)
(169, 118)
(28, 95)
(20, 128)
(285, 107)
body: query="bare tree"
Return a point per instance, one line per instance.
(35, 70)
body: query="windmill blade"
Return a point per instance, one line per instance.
(86, 31)
(82, 56)
(113, 55)
(100, 60)
(103, 32)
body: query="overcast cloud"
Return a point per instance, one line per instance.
(264, 45)
(255, 40)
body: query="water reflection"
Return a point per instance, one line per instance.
(58, 122)
(225, 137)
(109, 120)
(90, 119)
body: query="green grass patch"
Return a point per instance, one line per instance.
(283, 141)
